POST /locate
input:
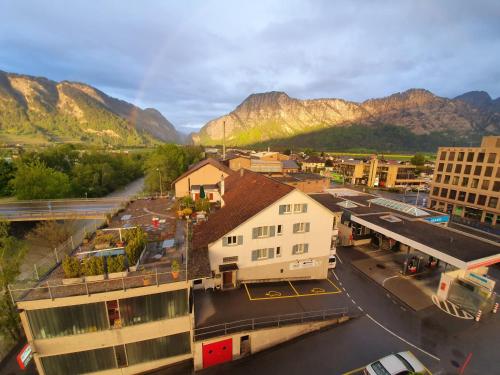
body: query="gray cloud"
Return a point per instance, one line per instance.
(196, 60)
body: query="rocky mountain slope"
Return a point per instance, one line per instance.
(275, 115)
(63, 111)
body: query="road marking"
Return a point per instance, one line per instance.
(340, 260)
(402, 308)
(295, 290)
(344, 289)
(273, 293)
(388, 278)
(445, 306)
(402, 339)
(353, 301)
(354, 371)
(334, 274)
(360, 308)
(348, 295)
(331, 282)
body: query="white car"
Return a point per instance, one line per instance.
(332, 261)
(402, 363)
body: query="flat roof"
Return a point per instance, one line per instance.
(450, 245)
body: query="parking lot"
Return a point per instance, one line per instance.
(290, 289)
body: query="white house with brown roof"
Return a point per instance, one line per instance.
(266, 231)
(207, 173)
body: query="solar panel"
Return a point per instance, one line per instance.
(399, 206)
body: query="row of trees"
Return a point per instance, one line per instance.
(63, 171)
(166, 163)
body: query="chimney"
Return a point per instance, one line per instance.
(242, 171)
(222, 186)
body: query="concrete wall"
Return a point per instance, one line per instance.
(206, 175)
(262, 339)
(318, 238)
(311, 186)
(237, 163)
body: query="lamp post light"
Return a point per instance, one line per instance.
(161, 189)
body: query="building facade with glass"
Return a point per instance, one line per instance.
(117, 332)
(466, 182)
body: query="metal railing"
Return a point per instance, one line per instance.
(73, 214)
(60, 288)
(252, 324)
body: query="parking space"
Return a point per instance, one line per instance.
(290, 289)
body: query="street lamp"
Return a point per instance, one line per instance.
(161, 189)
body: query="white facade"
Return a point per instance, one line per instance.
(297, 244)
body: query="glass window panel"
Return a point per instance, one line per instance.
(79, 362)
(68, 320)
(163, 347)
(153, 307)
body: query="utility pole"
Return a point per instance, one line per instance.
(161, 188)
(223, 140)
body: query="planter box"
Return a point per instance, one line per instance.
(72, 280)
(117, 275)
(94, 278)
(100, 246)
(132, 268)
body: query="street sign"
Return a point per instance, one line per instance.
(25, 356)
(438, 219)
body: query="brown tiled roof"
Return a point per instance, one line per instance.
(198, 263)
(244, 197)
(211, 161)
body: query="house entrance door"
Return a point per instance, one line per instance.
(227, 280)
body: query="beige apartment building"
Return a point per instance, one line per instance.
(466, 181)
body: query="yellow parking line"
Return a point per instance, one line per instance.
(248, 293)
(428, 372)
(354, 371)
(295, 290)
(336, 287)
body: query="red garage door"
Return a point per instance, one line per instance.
(217, 352)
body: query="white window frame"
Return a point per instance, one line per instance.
(263, 254)
(279, 230)
(300, 248)
(232, 240)
(278, 251)
(300, 208)
(263, 232)
(301, 228)
(288, 209)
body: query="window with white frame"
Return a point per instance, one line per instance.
(285, 209)
(299, 208)
(263, 254)
(300, 248)
(278, 251)
(279, 229)
(301, 227)
(262, 231)
(232, 240)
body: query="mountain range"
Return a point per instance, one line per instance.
(417, 118)
(36, 107)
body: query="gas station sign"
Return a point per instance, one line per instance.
(25, 356)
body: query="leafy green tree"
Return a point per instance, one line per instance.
(166, 162)
(418, 159)
(12, 252)
(6, 174)
(37, 181)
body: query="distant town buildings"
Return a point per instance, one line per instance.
(466, 181)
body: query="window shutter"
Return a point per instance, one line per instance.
(270, 253)
(255, 255)
(306, 247)
(304, 208)
(295, 227)
(282, 209)
(224, 241)
(294, 249)
(308, 227)
(240, 240)
(254, 232)
(272, 230)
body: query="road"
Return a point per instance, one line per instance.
(385, 327)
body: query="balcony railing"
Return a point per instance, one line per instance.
(223, 329)
(57, 288)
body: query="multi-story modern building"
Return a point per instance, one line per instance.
(466, 181)
(380, 173)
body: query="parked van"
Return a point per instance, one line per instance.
(332, 261)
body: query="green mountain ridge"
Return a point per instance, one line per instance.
(274, 118)
(70, 111)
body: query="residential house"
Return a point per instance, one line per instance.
(265, 231)
(312, 164)
(290, 166)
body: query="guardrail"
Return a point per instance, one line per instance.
(65, 200)
(57, 288)
(252, 324)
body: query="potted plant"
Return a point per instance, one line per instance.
(93, 268)
(72, 269)
(136, 241)
(175, 268)
(116, 267)
(103, 241)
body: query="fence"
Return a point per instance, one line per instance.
(252, 324)
(58, 288)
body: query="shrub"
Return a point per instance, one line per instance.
(93, 266)
(187, 212)
(136, 240)
(71, 267)
(175, 266)
(103, 238)
(116, 264)
(202, 205)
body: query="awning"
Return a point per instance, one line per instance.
(228, 267)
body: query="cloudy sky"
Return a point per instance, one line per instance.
(197, 60)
